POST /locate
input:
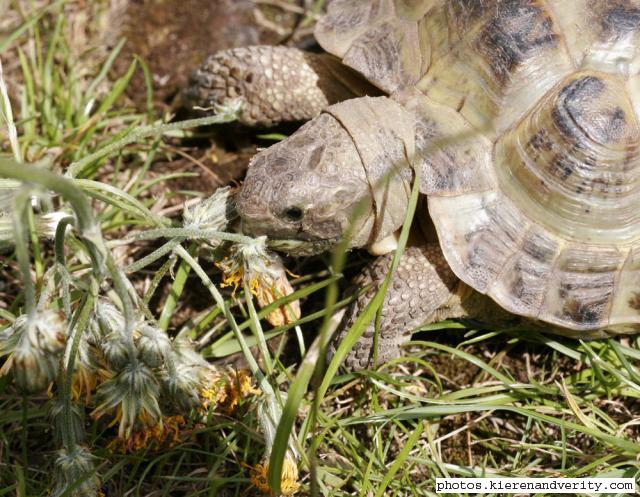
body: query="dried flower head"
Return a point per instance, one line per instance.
(106, 334)
(165, 434)
(108, 318)
(180, 386)
(76, 474)
(104, 319)
(229, 110)
(288, 480)
(213, 213)
(153, 344)
(45, 226)
(55, 410)
(223, 390)
(35, 348)
(131, 397)
(115, 350)
(264, 274)
(184, 374)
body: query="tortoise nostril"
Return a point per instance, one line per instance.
(293, 214)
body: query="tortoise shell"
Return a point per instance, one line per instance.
(535, 192)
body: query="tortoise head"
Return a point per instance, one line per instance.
(346, 173)
(308, 191)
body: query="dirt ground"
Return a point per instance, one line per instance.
(174, 36)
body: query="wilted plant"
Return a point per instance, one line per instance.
(90, 339)
(131, 398)
(269, 414)
(34, 347)
(45, 227)
(164, 434)
(76, 473)
(183, 377)
(153, 344)
(216, 212)
(252, 265)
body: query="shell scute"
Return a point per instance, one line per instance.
(346, 20)
(453, 157)
(582, 287)
(388, 55)
(512, 36)
(620, 18)
(573, 163)
(525, 278)
(535, 188)
(492, 60)
(480, 238)
(579, 115)
(413, 10)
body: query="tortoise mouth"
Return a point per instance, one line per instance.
(302, 247)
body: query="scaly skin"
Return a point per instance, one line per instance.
(422, 285)
(423, 290)
(276, 84)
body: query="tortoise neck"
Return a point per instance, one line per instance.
(383, 133)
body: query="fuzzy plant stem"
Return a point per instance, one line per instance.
(217, 296)
(20, 215)
(70, 353)
(256, 329)
(43, 177)
(89, 232)
(177, 288)
(77, 168)
(165, 249)
(61, 229)
(192, 233)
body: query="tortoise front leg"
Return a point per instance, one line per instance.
(276, 84)
(422, 290)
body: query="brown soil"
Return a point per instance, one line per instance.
(174, 36)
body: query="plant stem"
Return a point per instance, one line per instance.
(192, 233)
(89, 232)
(253, 365)
(176, 290)
(20, 216)
(76, 168)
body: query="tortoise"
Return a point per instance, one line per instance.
(520, 118)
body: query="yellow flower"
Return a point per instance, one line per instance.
(165, 433)
(288, 481)
(265, 276)
(267, 292)
(224, 390)
(83, 383)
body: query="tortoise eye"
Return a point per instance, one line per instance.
(293, 214)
